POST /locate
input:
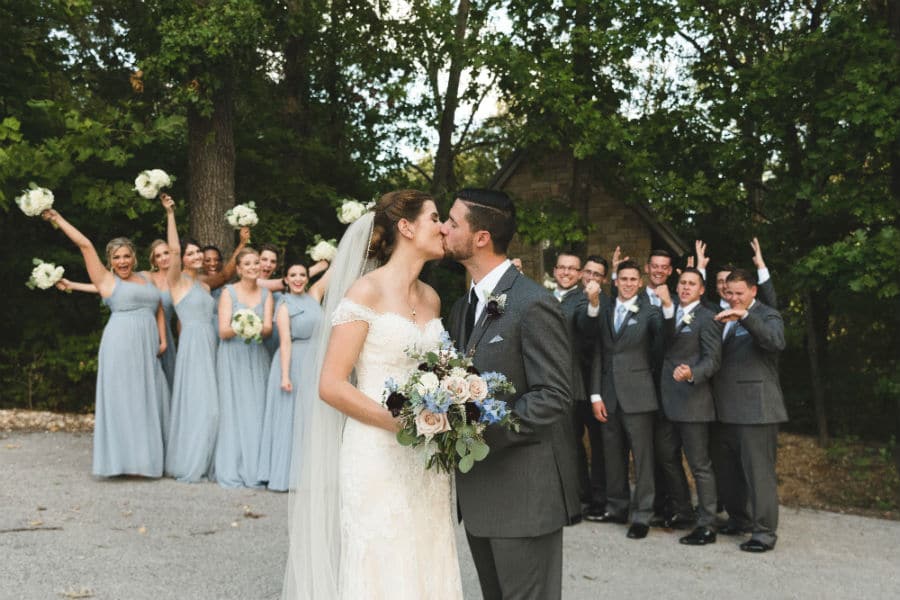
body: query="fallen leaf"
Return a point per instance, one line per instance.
(36, 523)
(77, 593)
(13, 446)
(142, 530)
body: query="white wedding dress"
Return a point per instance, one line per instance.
(397, 529)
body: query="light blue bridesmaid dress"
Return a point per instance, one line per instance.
(131, 387)
(278, 426)
(243, 370)
(194, 418)
(272, 342)
(168, 357)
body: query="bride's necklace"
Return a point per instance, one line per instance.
(412, 308)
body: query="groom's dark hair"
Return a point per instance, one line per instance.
(492, 211)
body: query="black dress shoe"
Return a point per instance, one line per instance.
(732, 529)
(679, 521)
(638, 531)
(593, 512)
(606, 517)
(699, 537)
(755, 546)
(657, 520)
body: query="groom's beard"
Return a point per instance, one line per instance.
(460, 254)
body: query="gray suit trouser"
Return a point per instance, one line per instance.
(750, 486)
(694, 438)
(621, 431)
(519, 568)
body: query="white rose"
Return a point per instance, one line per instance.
(144, 185)
(35, 201)
(459, 372)
(429, 424)
(323, 250)
(428, 382)
(478, 388)
(45, 275)
(159, 178)
(350, 211)
(457, 387)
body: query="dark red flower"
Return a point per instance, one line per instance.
(493, 309)
(395, 402)
(472, 370)
(473, 413)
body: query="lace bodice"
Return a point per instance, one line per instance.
(384, 352)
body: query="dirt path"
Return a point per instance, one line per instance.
(64, 534)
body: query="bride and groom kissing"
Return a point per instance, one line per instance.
(367, 519)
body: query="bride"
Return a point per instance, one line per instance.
(367, 519)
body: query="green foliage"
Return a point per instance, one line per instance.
(550, 221)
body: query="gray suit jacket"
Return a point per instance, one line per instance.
(626, 373)
(527, 486)
(574, 306)
(698, 345)
(747, 387)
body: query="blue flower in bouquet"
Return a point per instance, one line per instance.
(493, 379)
(437, 402)
(493, 411)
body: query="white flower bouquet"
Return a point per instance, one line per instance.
(549, 282)
(44, 275)
(351, 210)
(247, 325)
(149, 183)
(446, 404)
(242, 215)
(322, 249)
(35, 200)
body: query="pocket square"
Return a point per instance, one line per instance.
(741, 331)
(495, 339)
(686, 329)
(632, 322)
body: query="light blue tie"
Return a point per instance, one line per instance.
(620, 316)
(679, 315)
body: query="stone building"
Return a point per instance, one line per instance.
(532, 177)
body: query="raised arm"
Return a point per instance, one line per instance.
(318, 289)
(100, 276)
(75, 286)
(217, 280)
(268, 310)
(174, 274)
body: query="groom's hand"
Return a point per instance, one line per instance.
(599, 409)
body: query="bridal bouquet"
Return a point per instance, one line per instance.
(247, 325)
(149, 183)
(351, 210)
(44, 275)
(446, 404)
(35, 200)
(242, 215)
(322, 249)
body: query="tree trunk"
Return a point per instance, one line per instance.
(211, 166)
(444, 180)
(814, 349)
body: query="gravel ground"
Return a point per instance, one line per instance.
(64, 534)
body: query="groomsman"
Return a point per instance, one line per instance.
(766, 290)
(629, 405)
(749, 405)
(572, 301)
(587, 351)
(672, 500)
(693, 354)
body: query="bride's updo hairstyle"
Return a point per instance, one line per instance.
(389, 210)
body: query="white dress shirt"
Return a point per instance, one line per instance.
(486, 286)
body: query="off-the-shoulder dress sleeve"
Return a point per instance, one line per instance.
(347, 310)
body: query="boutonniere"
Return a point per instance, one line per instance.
(495, 305)
(634, 308)
(688, 318)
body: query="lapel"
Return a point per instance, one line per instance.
(485, 320)
(459, 324)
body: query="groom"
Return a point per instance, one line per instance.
(515, 502)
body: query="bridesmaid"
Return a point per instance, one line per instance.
(194, 418)
(296, 317)
(243, 369)
(131, 387)
(268, 264)
(160, 261)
